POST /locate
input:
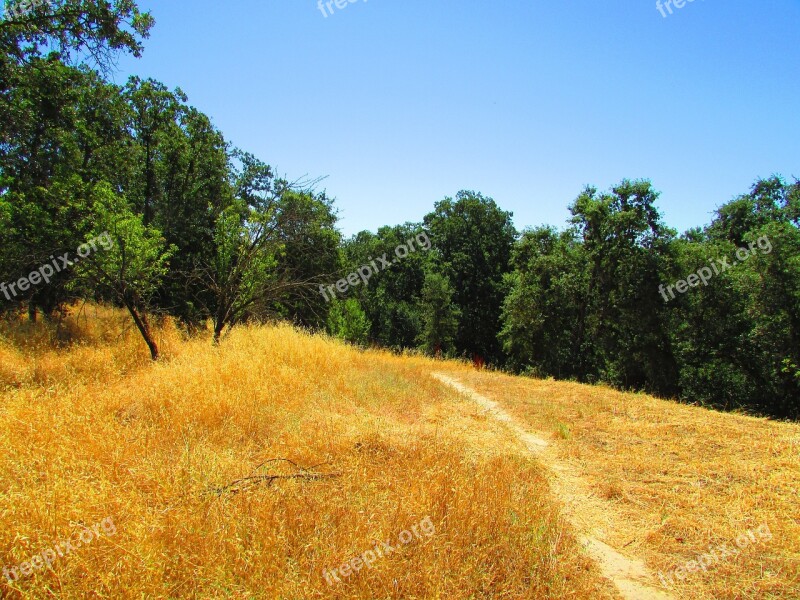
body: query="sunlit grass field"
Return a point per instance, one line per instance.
(667, 482)
(181, 456)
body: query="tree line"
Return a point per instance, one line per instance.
(597, 301)
(205, 232)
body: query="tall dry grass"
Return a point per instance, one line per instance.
(92, 430)
(669, 481)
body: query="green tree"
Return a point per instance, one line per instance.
(242, 277)
(68, 133)
(58, 124)
(390, 296)
(249, 273)
(544, 313)
(736, 339)
(78, 30)
(129, 267)
(307, 228)
(628, 249)
(180, 182)
(473, 240)
(438, 314)
(347, 321)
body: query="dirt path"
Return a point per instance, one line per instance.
(587, 514)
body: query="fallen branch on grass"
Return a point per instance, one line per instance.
(253, 480)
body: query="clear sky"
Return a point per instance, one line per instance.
(403, 102)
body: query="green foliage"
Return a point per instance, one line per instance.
(129, 266)
(590, 303)
(135, 257)
(390, 297)
(544, 312)
(347, 321)
(47, 170)
(78, 29)
(307, 226)
(736, 339)
(439, 316)
(627, 249)
(473, 241)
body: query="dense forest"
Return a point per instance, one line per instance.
(196, 229)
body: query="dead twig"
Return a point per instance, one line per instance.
(253, 480)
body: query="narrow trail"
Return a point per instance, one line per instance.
(631, 577)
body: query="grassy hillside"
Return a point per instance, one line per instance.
(92, 431)
(259, 469)
(670, 483)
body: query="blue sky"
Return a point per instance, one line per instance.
(401, 103)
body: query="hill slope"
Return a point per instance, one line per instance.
(283, 465)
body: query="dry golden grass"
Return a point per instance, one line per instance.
(666, 481)
(94, 344)
(92, 430)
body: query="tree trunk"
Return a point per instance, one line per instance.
(218, 327)
(140, 319)
(221, 319)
